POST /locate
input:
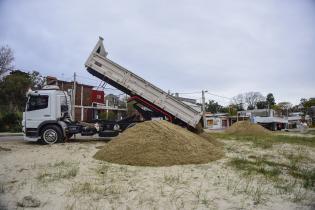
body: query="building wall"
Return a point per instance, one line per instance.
(86, 99)
(217, 122)
(89, 96)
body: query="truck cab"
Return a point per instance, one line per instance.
(47, 119)
(46, 115)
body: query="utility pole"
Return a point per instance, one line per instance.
(204, 108)
(73, 95)
(82, 110)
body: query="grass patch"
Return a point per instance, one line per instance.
(266, 141)
(98, 190)
(58, 170)
(307, 175)
(173, 179)
(272, 170)
(85, 188)
(258, 166)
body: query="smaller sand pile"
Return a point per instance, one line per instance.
(247, 128)
(159, 143)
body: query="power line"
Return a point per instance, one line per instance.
(218, 95)
(96, 80)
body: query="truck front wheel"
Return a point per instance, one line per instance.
(51, 134)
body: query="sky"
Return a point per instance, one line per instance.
(226, 47)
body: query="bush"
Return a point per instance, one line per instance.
(111, 115)
(11, 122)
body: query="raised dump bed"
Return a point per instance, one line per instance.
(139, 89)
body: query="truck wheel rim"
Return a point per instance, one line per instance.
(50, 136)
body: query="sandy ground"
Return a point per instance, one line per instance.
(65, 176)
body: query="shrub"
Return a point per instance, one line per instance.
(111, 115)
(11, 122)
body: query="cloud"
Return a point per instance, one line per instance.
(227, 47)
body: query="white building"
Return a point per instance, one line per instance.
(217, 121)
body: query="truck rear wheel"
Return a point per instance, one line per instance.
(51, 134)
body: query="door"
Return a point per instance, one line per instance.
(224, 123)
(38, 110)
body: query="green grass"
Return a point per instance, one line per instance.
(57, 171)
(272, 170)
(85, 188)
(173, 180)
(266, 141)
(307, 175)
(258, 166)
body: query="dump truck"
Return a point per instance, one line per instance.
(47, 117)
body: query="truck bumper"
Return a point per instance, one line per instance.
(30, 138)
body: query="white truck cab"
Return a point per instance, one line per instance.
(46, 114)
(47, 119)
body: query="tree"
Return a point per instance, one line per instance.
(6, 60)
(262, 105)
(270, 100)
(305, 105)
(284, 107)
(13, 90)
(249, 100)
(110, 115)
(303, 101)
(213, 107)
(37, 80)
(309, 103)
(238, 102)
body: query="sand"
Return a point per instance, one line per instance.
(247, 128)
(159, 143)
(214, 185)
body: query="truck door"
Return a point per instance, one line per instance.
(38, 110)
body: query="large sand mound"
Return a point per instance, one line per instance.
(247, 128)
(159, 143)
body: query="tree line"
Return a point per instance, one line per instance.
(14, 85)
(255, 100)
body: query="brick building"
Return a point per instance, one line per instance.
(83, 97)
(89, 103)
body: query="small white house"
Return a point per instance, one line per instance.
(217, 121)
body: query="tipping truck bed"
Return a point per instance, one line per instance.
(139, 89)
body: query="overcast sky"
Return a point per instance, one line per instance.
(224, 46)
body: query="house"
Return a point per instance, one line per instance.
(296, 118)
(114, 101)
(217, 121)
(265, 117)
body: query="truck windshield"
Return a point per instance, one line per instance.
(37, 102)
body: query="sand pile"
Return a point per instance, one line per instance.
(247, 128)
(159, 143)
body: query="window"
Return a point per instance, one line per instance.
(63, 104)
(37, 102)
(209, 122)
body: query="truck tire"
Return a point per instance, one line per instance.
(51, 134)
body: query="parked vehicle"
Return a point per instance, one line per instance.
(47, 118)
(47, 115)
